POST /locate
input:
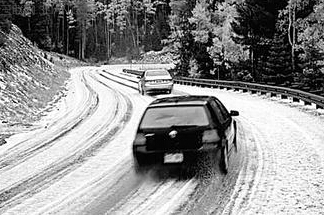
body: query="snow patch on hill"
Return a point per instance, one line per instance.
(29, 81)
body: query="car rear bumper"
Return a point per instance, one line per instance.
(158, 87)
(189, 155)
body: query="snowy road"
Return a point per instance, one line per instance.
(78, 160)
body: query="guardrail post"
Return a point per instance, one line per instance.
(295, 99)
(284, 96)
(290, 98)
(270, 94)
(273, 94)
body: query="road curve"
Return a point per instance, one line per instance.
(78, 160)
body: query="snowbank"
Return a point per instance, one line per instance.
(28, 81)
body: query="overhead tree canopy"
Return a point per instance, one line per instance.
(270, 40)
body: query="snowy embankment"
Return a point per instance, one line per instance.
(29, 81)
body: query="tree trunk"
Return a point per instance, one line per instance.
(108, 39)
(293, 39)
(84, 38)
(292, 32)
(131, 31)
(67, 41)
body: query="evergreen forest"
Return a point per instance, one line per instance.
(278, 42)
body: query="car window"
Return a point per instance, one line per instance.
(157, 73)
(217, 111)
(164, 117)
(223, 110)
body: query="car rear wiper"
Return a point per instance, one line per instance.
(183, 127)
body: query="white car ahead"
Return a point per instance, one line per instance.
(155, 81)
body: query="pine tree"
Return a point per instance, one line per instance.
(253, 26)
(192, 35)
(85, 13)
(277, 65)
(311, 46)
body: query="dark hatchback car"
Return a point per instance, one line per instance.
(177, 130)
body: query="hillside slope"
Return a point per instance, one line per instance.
(28, 81)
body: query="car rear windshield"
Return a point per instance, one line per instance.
(157, 73)
(164, 117)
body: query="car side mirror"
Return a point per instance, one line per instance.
(234, 113)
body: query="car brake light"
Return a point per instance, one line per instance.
(140, 139)
(210, 136)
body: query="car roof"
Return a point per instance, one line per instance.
(181, 100)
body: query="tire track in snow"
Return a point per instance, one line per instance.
(252, 170)
(111, 181)
(19, 153)
(155, 197)
(23, 189)
(131, 187)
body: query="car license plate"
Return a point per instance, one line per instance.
(173, 158)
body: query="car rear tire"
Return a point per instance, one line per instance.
(235, 137)
(224, 160)
(139, 163)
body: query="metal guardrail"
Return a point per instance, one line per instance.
(133, 71)
(284, 92)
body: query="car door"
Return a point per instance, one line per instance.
(224, 119)
(228, 122)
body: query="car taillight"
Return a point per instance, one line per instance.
(210, 136)
(140, 139)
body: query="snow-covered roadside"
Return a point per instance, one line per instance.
(289, 161)
(43, 167)
(28, 82)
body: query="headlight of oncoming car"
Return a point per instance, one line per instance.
(210, 136)
(140, 139)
